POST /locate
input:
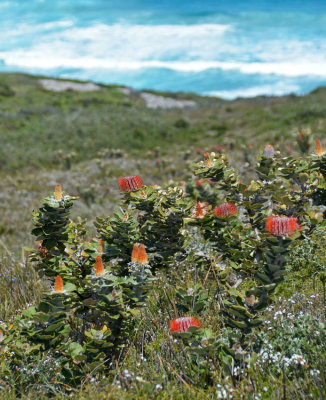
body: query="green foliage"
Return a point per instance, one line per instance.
(51, 222)
(87, 322)
(223, 269)
(120, 232)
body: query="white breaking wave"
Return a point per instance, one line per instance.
(117, 42)
(271, 90)
(43, 60)
(184, 48)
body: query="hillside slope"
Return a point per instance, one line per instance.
(71, 137)
(35, 122)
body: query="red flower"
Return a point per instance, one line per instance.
(225, 210)
(182, 324)
(130, 183)
(200, 210)
(282, 226)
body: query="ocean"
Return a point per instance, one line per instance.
(216, 48)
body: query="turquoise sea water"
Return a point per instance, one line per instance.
(223, 48)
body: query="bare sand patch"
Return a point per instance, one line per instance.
(61, 86)
(155, 101)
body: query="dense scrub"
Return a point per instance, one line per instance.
(43, 128)
(191, 289)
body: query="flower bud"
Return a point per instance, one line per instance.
(319, 150)
(58, 193)
(134, 254)
(142, 255)
(99, 268)
(58, 285)
(268, 151)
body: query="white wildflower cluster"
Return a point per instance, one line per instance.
(314, 372)
(225, 392)
(295, 359)
(269, 357)
(48, 364)
(129, 378)
(243, 215)
(221, 266)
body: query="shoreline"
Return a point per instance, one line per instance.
(164, 93)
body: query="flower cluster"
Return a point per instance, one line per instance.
(225, 210)
(200, 210)
(281, 226)
(58, 284)
(99, 267)
(130, 183)
(182, 324)
(139, 255)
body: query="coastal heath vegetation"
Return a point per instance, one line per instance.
(205, 283)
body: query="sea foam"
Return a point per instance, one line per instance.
(238, 57)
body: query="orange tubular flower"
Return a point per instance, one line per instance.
(142, 256)
(200, 210)
(99, 268)
(134, 254)
(58, 193)
(282, 226)
(268, 151)
(183, 324)
(58, 284)
(225, 210)
(130, 183)
(319, 150)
